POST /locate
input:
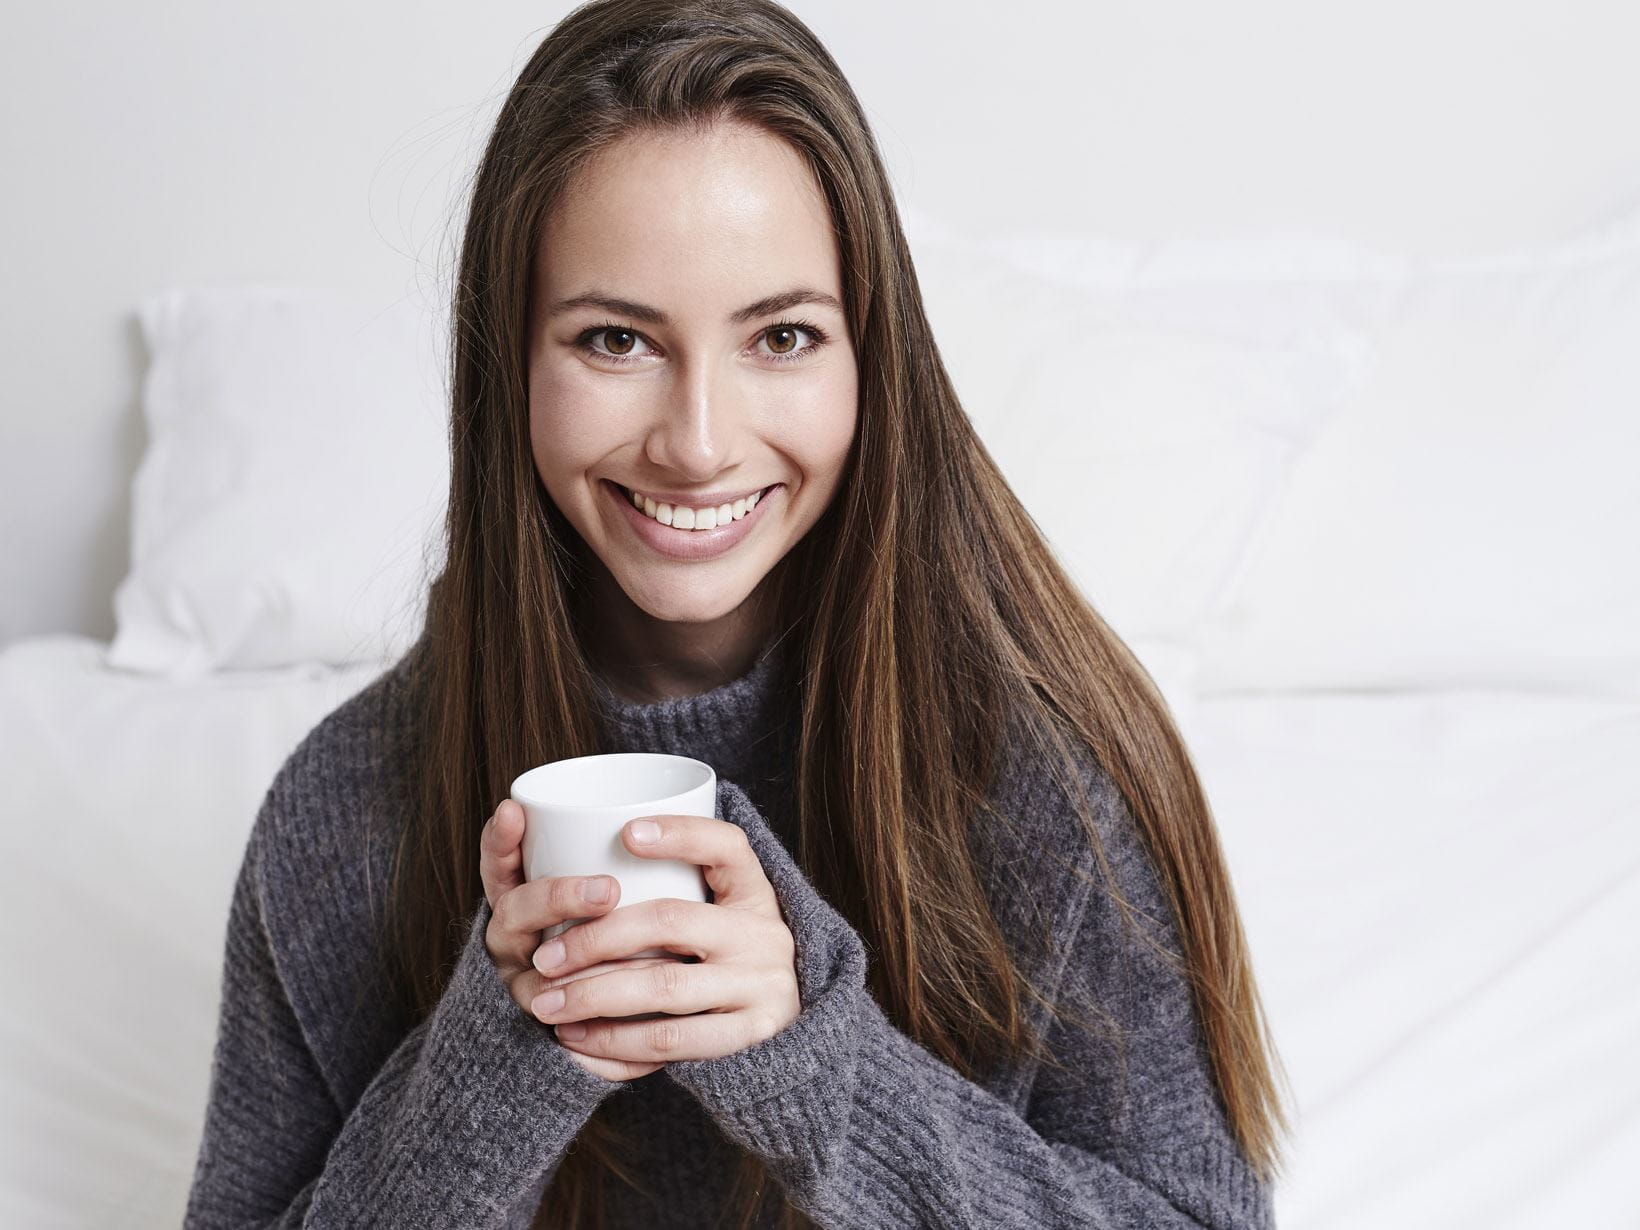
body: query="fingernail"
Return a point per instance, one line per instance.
(645, 832)
(596, 889)
(550, 956)
(573, 1030)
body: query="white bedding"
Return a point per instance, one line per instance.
(128, 799)
(1442, 892)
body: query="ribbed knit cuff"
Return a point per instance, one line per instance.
(460, 1125)
(478, 1025)
(818, 1049)
(820, 1045)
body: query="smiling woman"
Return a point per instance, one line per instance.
(709, 236)
(973, 957)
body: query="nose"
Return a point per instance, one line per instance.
(694, 428)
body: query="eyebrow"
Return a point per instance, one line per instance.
(779, 302)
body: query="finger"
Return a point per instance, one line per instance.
(666, 986)
(501, 851)
(527, 910)
(719, 847)
(708, 1035)
(612, 1069)
(528, 985)
(557, 978)
(691, 928)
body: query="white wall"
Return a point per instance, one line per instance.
(327, 143)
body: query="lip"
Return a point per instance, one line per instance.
(689, 545)
(701, 499)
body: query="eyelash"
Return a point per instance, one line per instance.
(815, 331)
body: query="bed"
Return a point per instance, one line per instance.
(1413, 696)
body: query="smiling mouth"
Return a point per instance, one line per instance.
(627, 492)
(756, 497)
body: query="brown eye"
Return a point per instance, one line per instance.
(783, 332)
(631, 339)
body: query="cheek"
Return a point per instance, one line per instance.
(570, 428)
(815, 435)
(823, 427)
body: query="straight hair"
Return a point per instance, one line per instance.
(922, 639)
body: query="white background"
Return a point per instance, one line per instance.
(1427, 798)
(327, 144)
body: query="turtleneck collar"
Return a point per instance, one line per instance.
(738, 727)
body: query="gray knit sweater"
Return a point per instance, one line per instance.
(325, 1111)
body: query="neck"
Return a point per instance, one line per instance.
(745, 728)
(644, 659)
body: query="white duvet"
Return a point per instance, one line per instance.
(1441, 889)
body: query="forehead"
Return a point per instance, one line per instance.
(691, 217)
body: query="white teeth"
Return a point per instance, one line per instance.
(695, 518)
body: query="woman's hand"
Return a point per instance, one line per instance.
(521, 911)
(742, 990)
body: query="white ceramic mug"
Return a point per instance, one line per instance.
(574, 811)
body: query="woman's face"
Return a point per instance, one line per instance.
(690, 344)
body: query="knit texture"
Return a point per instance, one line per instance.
(326, 1111)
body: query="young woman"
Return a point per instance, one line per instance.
(972, 956)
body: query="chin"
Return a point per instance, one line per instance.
(696, 602)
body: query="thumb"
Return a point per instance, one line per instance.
(501, 851)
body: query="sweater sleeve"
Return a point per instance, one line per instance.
(866, 1128)
(458, 1127)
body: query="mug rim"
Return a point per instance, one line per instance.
(525, 787)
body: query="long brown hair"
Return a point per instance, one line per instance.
(915, 630)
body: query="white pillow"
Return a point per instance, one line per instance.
(1148, 455)
(291, 496)
(1470, 518)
